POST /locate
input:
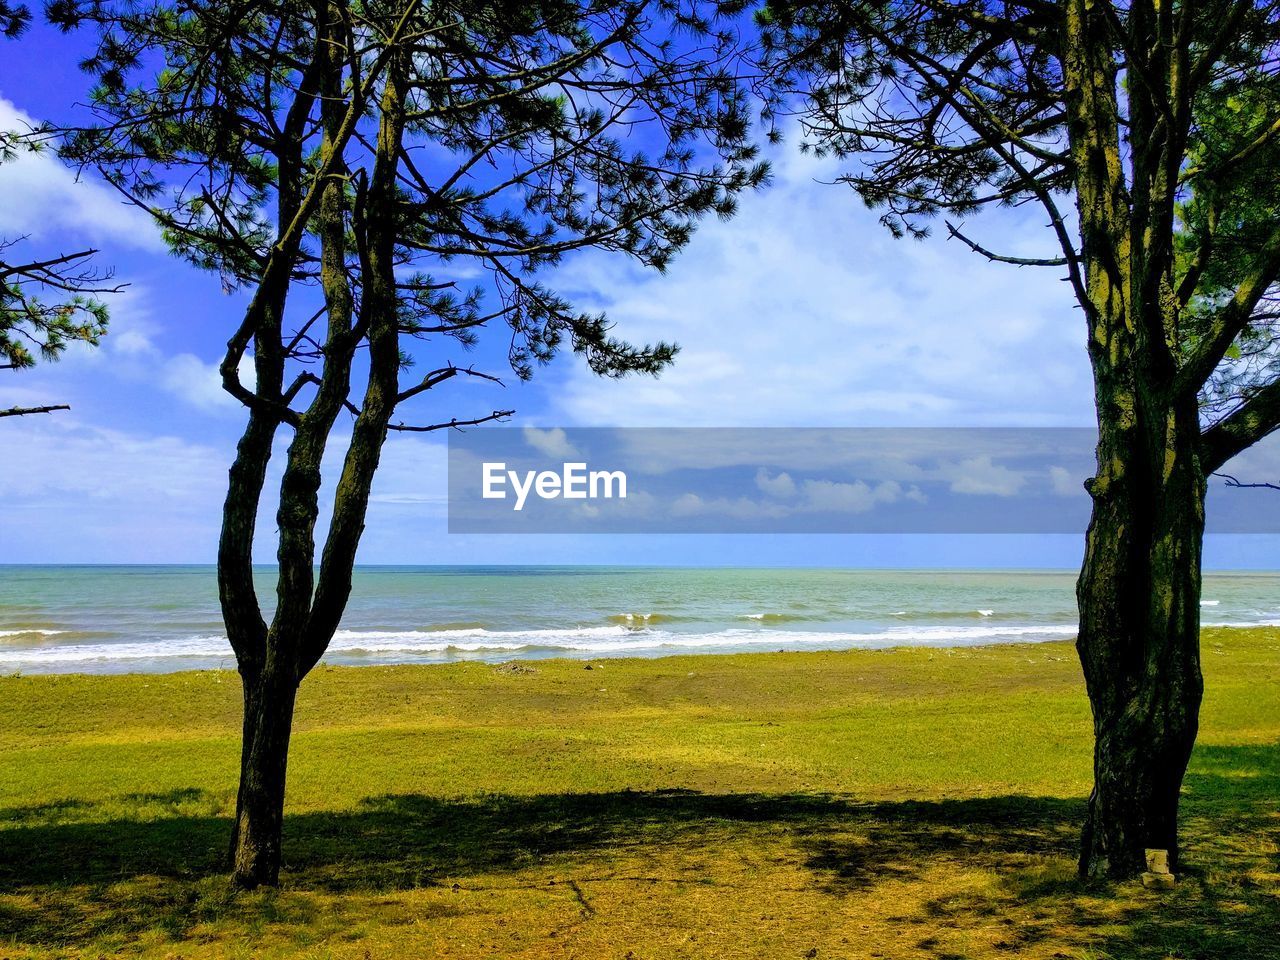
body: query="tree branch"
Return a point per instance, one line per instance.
(1258, 417)
(23, 411)
(998, 258)
(1233, 482)
(441, 375)
(454, 424)
(1231, 319)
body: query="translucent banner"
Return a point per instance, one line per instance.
(811, 480)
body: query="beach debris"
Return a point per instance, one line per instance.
(514, 667)
(1158, 876)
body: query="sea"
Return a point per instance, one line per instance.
(126, 619)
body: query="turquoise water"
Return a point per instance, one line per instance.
(127, 619)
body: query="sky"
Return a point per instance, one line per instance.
(801, 311)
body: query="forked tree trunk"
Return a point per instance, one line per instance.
(268, 720)
(1139, 643)
(274, 660)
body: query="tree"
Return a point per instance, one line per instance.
(14, 18)
(29, 325)
(1160, 121)
(338, 159)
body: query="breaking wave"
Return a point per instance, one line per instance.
(478, 642)
(465, 642)
(642, 619)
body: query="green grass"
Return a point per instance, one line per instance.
(900, 804)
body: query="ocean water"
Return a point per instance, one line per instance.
(94, 619)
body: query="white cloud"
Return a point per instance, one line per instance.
(85, 493)
(552, 443)
(983, 477)
(412, 470)
(44, 199)
(857, 497)
(61, 457)
(130, 354)
(1064, 483)
(17, 394)
(883, 454)
(817, 496)
(199, 384)
(802, 310)
(780, 486)
(739, 508)
(90, 494)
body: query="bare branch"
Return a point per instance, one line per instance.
(445, 373)
(999, 258)
(1233, 482)
(454, 424)
(23, 411)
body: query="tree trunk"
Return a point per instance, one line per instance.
(247, 726)
(268, 720)
(1139, 643)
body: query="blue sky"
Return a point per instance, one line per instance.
(801, 311)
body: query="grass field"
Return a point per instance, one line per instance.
(900, 804)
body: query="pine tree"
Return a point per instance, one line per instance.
(348, 162)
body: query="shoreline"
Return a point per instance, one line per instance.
(157, 620)
(559, 658)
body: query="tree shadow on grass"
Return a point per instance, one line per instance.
(1226, 905)
(70, 879)
(409, 840)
